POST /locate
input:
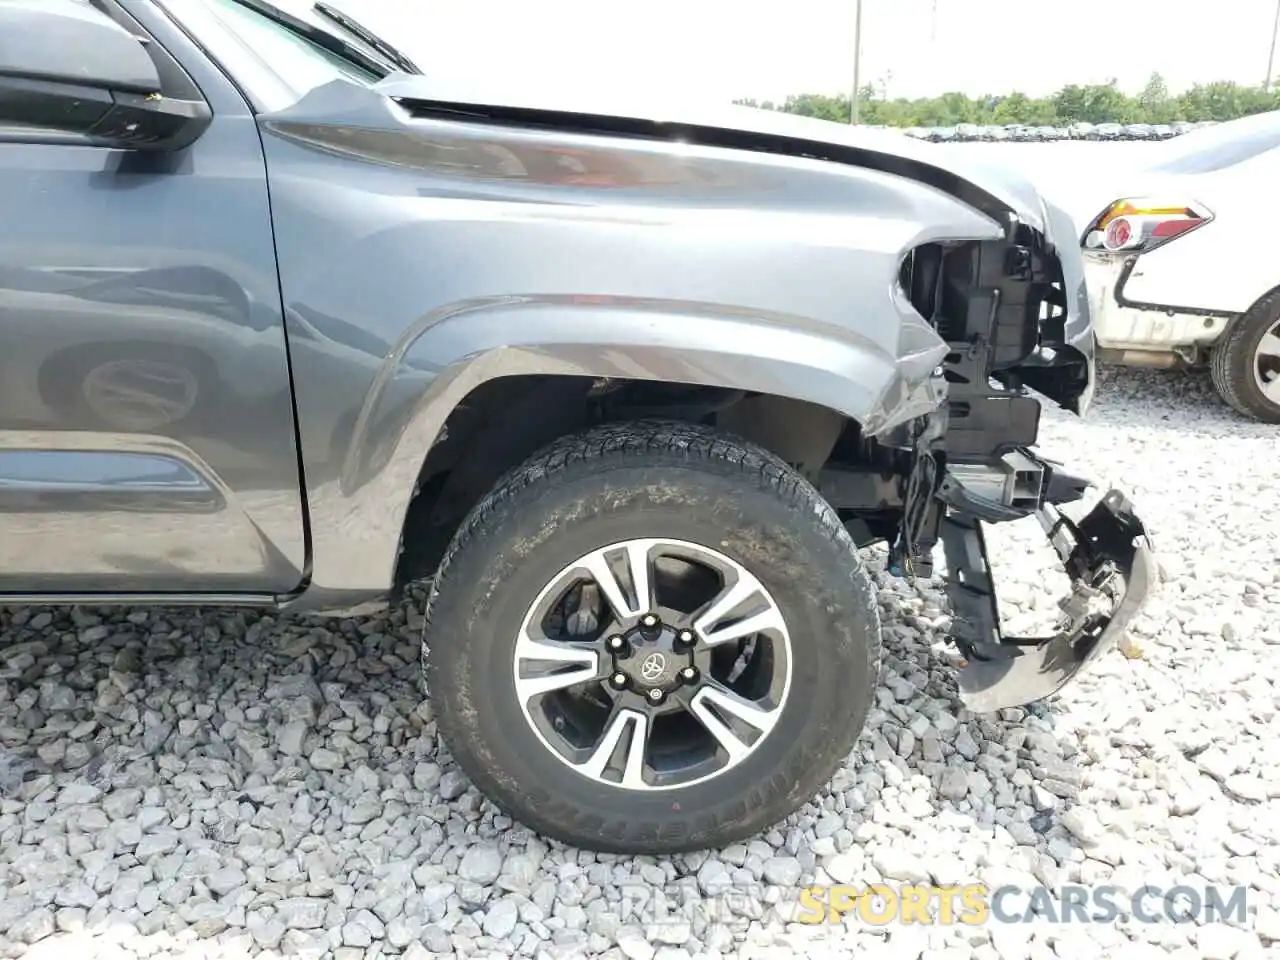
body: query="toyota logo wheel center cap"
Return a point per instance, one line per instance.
(653, 667)
(652, 658)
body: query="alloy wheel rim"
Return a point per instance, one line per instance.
(1266, 364)
(653, 664)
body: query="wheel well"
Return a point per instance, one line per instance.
(1268, 301)
(504, 421)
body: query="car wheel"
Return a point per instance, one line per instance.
(1245, 363)
(651, 637)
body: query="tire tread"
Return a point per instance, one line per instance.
(1229, 369)
(627, 445)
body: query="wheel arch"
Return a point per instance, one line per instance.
(1267, 299)
(706, 345)
(433, 375)
(505, 420)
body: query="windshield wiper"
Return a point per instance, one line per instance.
(361, 32)
(321, 38)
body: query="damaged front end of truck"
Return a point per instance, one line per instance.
(1014, 314)
(923, 457)
(1015, 318)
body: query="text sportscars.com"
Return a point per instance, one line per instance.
(973, 904)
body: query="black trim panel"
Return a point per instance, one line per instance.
(176, 84)
(1122, 301)
(263, 600)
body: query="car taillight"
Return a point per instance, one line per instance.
(1118, 235)
(1141, 224)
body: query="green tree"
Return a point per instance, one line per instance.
(1224, 101)
(1106, 103)
(1154, 101)
(1096, 103)
(818, 105)
(1019, 108)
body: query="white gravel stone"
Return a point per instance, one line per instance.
(356, 935)
(34, 927)
(302, 913)
(325, 759)
(954, 784)
(225, 880)
(845, 867)
(401, 932)
(501, 918)
(896, 863)
(291, 738)
(1246, 787)
(267, 933)
(453, 785)
(426, 776)
(155, 844)
(206, 776)
(481, 864)
(74, 794)
(635, 945)
(1084, 825)
(784, 871)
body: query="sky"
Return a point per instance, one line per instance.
(725, 49)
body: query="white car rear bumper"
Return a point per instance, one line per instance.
(1119, 326)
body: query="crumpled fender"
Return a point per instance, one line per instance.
(424, 380)
(421, 257)
(646, 340)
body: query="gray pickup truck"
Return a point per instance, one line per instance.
(290, 323)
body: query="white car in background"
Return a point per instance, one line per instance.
(1178, 269)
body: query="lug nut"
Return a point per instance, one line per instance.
(619, 681)
(650, 621)
(617, 643)
(656, 696)
(689, 674)
(686, 638)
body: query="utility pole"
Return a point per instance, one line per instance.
(1271, 58)
(857, 59)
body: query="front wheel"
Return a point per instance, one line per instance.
(649, 638)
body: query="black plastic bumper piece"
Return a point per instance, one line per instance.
(1113, 569)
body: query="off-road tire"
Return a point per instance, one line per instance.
(650, 479)
(1231, 362)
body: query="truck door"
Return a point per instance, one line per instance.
(147, 438)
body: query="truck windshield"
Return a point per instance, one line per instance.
(305, 52)
(349, 24)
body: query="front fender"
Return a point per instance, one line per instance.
(685, 343)
(421, 258)
(358, 511)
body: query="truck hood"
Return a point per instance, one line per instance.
(995, 190)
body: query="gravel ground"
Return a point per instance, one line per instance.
(222, 784)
